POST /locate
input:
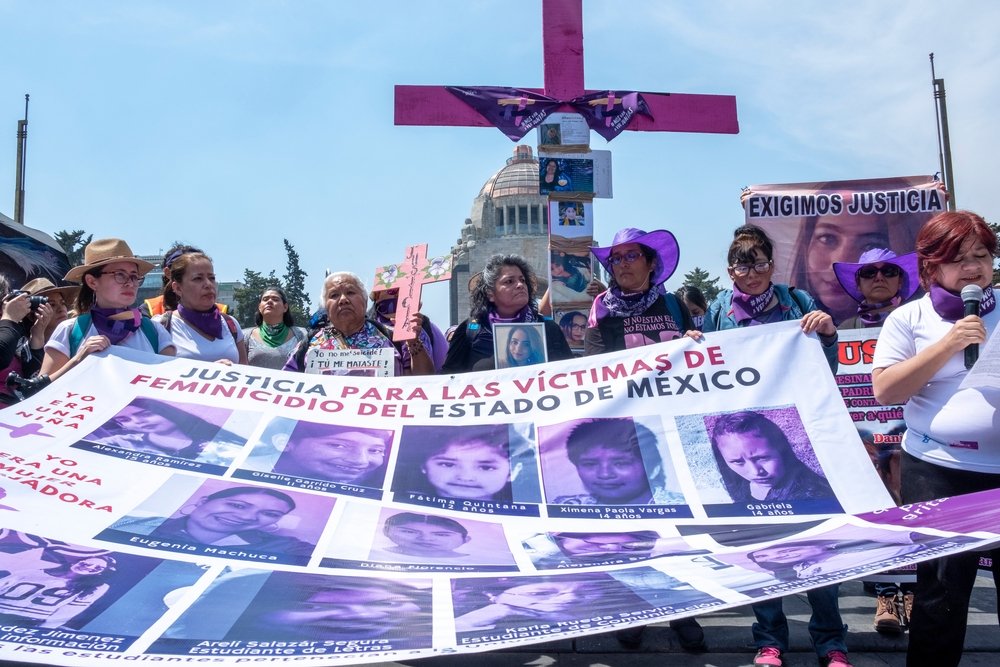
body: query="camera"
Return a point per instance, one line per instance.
(24, 387)
(34, 301)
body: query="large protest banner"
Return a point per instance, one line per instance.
(161, 507)
(814, 225)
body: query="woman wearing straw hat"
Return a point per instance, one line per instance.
(24, 328)
(110, 276)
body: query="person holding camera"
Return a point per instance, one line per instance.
(28, 317)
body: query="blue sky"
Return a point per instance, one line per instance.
(233, 124)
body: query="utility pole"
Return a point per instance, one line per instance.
(944, 139)
(22, 141)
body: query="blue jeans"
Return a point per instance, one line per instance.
(826, 628)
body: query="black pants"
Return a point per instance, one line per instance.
(944, 586)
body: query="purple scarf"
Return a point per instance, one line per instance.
(115, 329)
(950, 307)
(208, 322)
(869, 313)
(523, 315)
(749, 306)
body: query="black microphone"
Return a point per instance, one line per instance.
(972, 295)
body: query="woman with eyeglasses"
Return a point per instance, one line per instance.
(635, 302)
(755, 300)
(110, 277)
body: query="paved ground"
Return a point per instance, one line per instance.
(730, 644)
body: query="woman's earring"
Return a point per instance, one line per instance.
(187, 512)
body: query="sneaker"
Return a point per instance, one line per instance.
(689, 634)
(835, 659)
(769, 656)
(907, 608)
(887, 618)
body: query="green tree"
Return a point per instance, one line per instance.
(700, 278)
(294, 282)
(73, 244)
(248, 296)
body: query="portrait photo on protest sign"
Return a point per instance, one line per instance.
(373, 538)
(474, 468)
(843, 552)
(62, 593)
(348, 460)
(220, 518)
(814, 225)
(519, 344)
(567, 550)
(618, 461)
(497, 608)
(186, 436)
(755, 463)
(573, 322)
(308, 614)
(571, 219)
(571, 268)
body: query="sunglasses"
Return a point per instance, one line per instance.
(887, 270)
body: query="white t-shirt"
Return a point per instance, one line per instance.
(136, 341)
(193, 345)
(943, 426)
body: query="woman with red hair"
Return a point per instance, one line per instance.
(951, 445)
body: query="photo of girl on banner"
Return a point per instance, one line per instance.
(496, 606)
(762, 459)
(148, 430)
(468, 467)
(326, 457)
(369, 537)
(607, 461)
(48, 584)
(550, 551)
(306, 611)
(841, 552)
(809, 244)
(519, 344)
(222, 519)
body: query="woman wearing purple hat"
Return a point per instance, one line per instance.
(639, 263)
(879, 281)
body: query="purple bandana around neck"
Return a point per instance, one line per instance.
(208, 322)
(749, 306)
(871, 313)
(950, 307)
(116, 330)
(523, 315)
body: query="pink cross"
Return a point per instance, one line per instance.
(562, 46)
(409, 277)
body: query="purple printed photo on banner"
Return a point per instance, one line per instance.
(304, 609)
(84, 584)
(169, 429)
(757, 461)
(484, 463)
(334, 453)
(606, 461)
(415, 537)
(497, 605)
(968, 513)
(562, 550)
(237, 517)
